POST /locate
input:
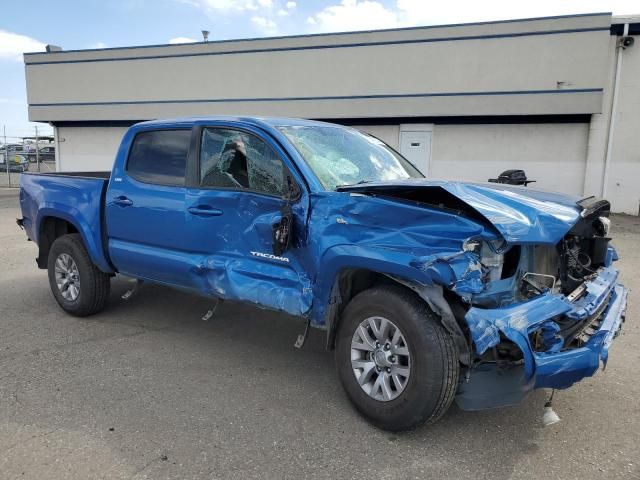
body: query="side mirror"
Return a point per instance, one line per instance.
(282, 231)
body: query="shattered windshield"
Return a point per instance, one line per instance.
(340, 156)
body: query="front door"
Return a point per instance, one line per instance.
(415, 146)
(232, 216)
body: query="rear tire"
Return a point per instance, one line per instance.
(425, 347)
(78, 286)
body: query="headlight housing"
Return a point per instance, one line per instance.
(489, 254)
(603, 226)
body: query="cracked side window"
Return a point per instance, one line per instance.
(235, 159)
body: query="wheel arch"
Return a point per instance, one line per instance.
(350, 281)
(53, 223)
(51, 228)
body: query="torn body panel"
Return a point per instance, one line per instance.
(462, 272)
(520, 214)
(559, 338)
(244, 266)
(258, 282)
(557, 362)
(433, 296)
(404, 240)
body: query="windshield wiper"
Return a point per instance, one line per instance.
(361, 182)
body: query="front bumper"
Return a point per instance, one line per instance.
(604, 304)
(563, 369)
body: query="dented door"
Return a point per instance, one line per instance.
(230, 219)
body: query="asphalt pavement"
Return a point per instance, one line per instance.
(147, 389)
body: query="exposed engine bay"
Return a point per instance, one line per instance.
(574, 259)
(564, 268)
(517, 273)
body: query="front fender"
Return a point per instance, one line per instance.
(448, 270)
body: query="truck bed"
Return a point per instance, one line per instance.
(73, 197)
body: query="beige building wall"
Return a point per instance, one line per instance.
(87, 149)
(526, 67)
(599, 131)
(389, 134)
(623, 185)
(551, 154)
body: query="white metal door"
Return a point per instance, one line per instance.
(415, 146)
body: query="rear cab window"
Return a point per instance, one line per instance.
(159, 157)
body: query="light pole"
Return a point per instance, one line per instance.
(6, 153)
(37, 151)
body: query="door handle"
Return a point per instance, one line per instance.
(122, 201)
(204, 211)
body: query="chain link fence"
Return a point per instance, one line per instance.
(24, 153)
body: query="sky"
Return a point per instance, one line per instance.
(28, 26)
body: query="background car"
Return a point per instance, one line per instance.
(12, 147)
(45, 154)
(18, 162)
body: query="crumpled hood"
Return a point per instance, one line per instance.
(520, 214)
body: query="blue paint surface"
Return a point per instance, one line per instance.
(76, 200)
(522, 215)
(373, 226)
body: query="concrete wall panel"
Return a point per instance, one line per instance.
(623, 186)
(374, 74)
(551, 154)
(88, 149)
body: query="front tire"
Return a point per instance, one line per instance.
(78, 286)
(396, 362)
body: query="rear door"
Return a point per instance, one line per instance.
(238, 199)
(145, 207)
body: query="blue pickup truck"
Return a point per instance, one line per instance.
(428, 291)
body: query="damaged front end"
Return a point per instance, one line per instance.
(532, 300)
(550, 321)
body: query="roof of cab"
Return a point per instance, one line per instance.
(257, 121)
